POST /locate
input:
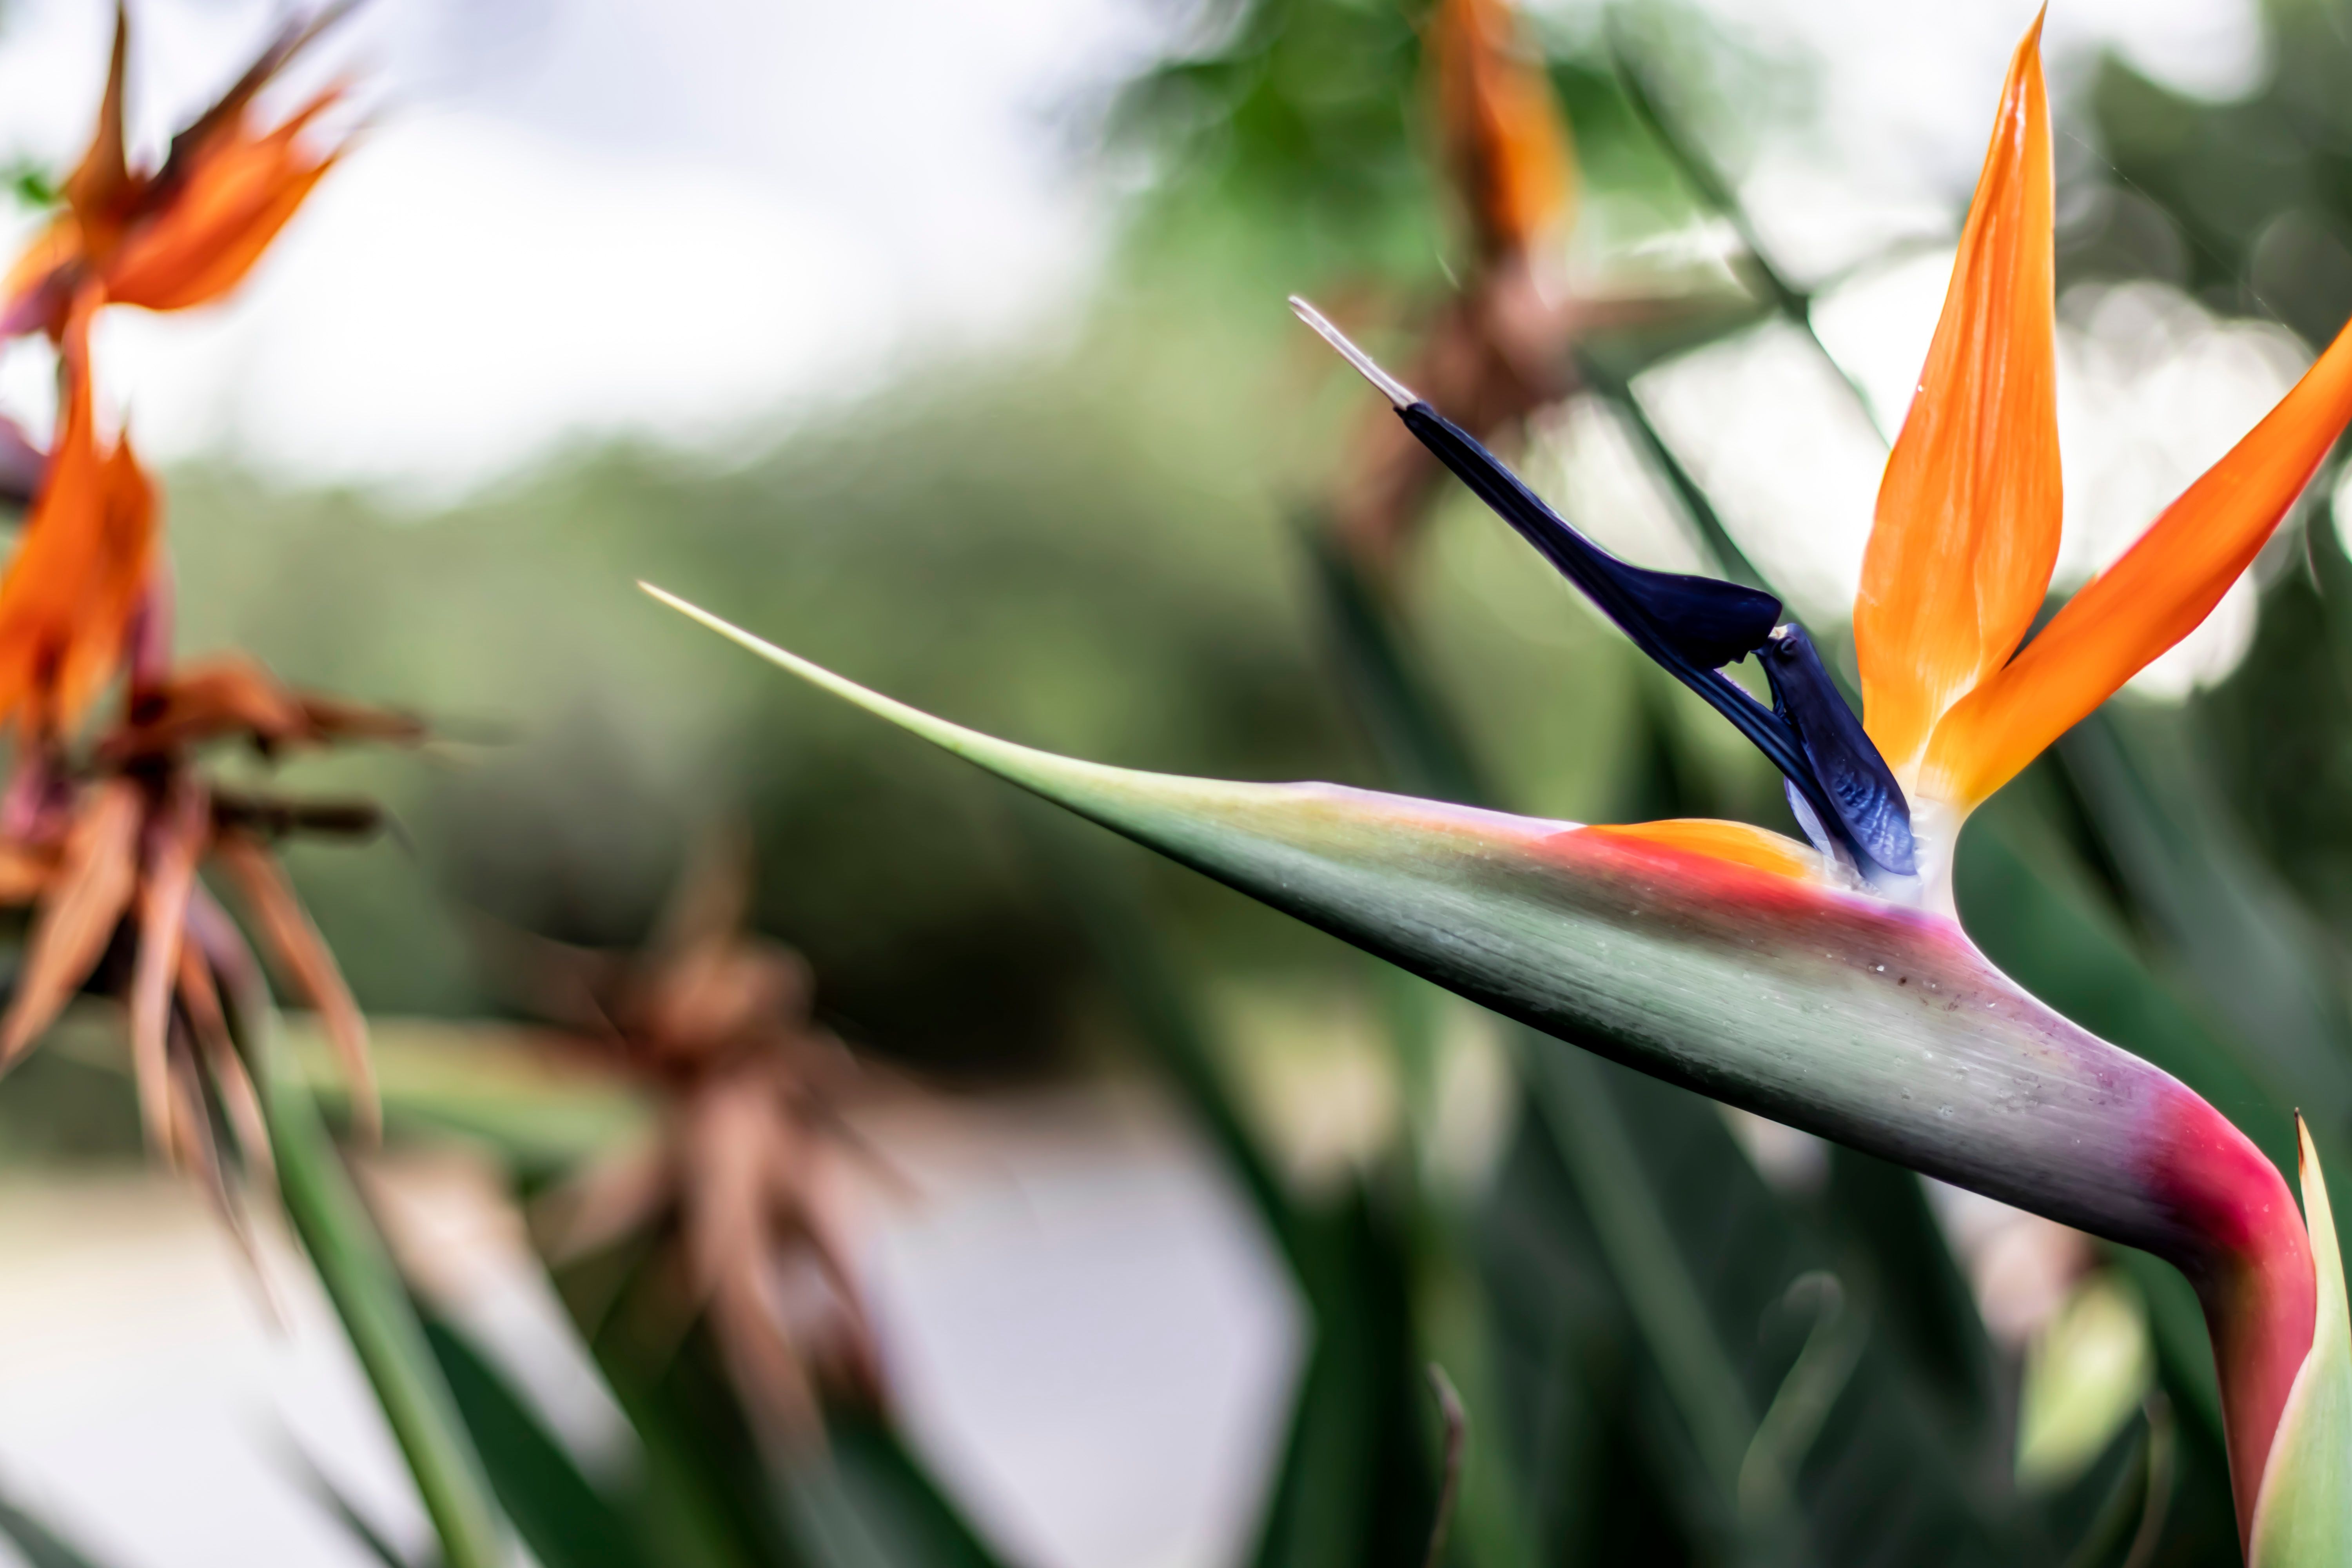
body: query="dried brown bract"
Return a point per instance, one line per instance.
(107, 853)
(717, 1024)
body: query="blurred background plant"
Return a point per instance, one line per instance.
(1147, 1208)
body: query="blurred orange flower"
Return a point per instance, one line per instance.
(75, 585)
(1498, 350)
(184, 234)
(106, 849)
(1504, 135)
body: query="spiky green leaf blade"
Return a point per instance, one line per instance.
(561, 1514)
(362, 1530)
(1876, 1025)
(2305, 1517)
(916, 1523)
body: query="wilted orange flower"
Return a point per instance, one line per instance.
(117, 849)
(717, 1023)
(74, 586)
(107, 851)
(184, 234)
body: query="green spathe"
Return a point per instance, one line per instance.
(2303, 1519)
(1877, 1026)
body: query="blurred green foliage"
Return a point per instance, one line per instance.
(2246, 203)
(1090, 553)
(1100, 547)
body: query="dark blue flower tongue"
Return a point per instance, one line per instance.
(1845, 795)
(1869, 804)
(1690, 626)
(1839, 786)
(1702, 621)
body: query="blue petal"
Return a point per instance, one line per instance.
(1692, 627)
(1706, 622)
(1868, 802)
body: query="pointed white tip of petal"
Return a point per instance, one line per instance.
(1395, 391)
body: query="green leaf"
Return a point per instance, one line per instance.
(40, 1546)
(903, 1508)
(561, 1515)
(2303, 1519)
(493, 1083)
(1356, 1487)
(2227, 926)
(360, 1528)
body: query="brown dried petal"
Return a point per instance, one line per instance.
(712, 998)
(175, 840)
(271, 816)
(611, 1199)
(93, 889)
(334, 719)
(729, 1134)
(308, 962)
(200, 1000)
(708, 907)
(193, 1149)
(205, 701)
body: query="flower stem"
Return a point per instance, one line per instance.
(368, 1295)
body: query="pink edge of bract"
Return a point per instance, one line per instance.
(2260, 1294)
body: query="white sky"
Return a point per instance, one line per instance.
(681, 217)
(595, 213)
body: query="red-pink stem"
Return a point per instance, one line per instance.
(2254, 1277)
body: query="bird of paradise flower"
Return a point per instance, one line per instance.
(1829, 985)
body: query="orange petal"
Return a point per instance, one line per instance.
(221, 218)
(1738, 842)
(40, 280)
(40, 593)
(1966, 528)
(24, 872)
(69, 936)
(2156, 594)
(117, 581)
(227, 114)
(99, 190)
(1504, 133)
(67, 599)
